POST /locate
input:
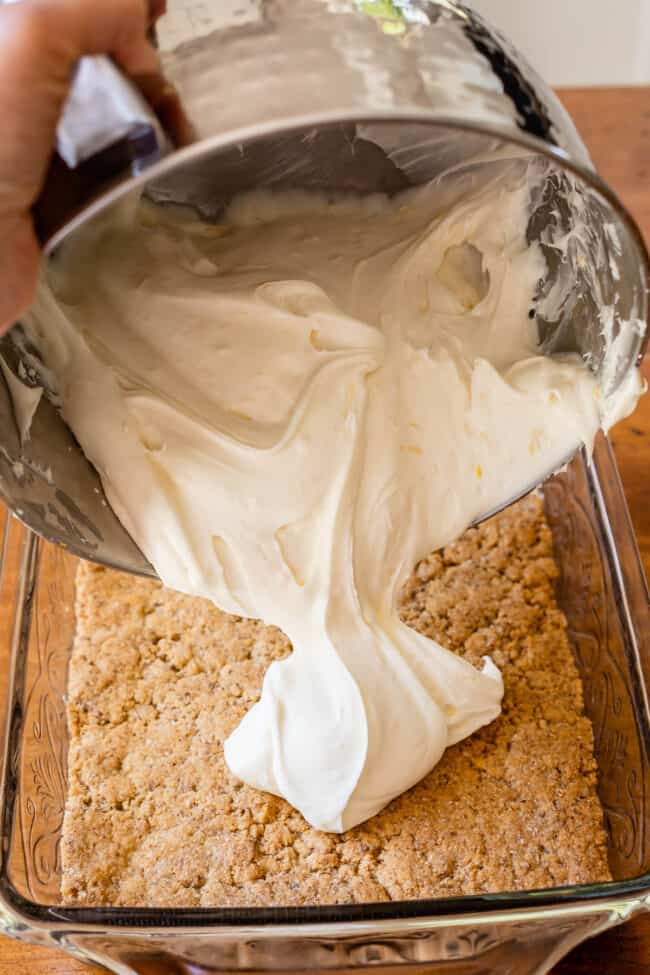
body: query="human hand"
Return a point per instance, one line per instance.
(40, 44)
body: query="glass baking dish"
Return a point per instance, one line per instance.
(603, 592)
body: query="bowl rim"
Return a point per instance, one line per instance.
(294, 124)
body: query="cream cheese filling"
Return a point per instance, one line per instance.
(288, 411)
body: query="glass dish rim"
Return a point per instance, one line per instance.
(361, 917)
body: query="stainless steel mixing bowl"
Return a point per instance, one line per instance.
(341, 95)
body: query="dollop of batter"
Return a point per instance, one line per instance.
(290, 409)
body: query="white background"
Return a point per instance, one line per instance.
(578, 42)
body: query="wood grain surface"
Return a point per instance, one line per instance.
(615, 123)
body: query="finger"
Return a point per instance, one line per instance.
(115, 27)
(166, 103)
(19, 262)
(156, 10)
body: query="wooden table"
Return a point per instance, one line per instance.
(615, 123)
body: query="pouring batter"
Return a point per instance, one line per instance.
(289, 410)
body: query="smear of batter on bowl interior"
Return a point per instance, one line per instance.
(288, 411)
